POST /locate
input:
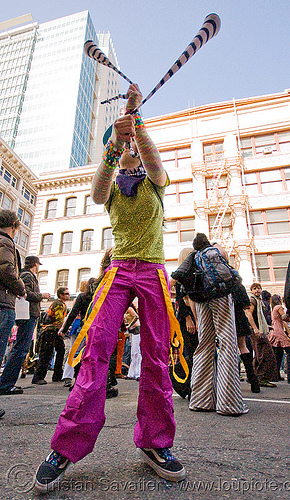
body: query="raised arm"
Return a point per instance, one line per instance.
(124, 129)
(149, 153)
(103, 177)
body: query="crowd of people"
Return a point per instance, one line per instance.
(218, 332)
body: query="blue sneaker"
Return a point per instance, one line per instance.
(163, 462)
(50, 471)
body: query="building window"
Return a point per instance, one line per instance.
(216, 187)
(23, 240)
(186, 227)
(107, 238)
(91, 207)
(170, 233)
(27, 219)
(70, 206)
(184, 191)
(178, 231)
(20, 213)
(28, 195)
(267, 181)
(268, 222)
(176, 158)
(87, 240)
(219, 228)
(251, 183)
(51, 209)
(170, 196)
(178, 192)
(272, 267)
(66, 242)
(84, 274)
(271, 182)
(24, 217)
(213, 152)
(62, 278)
(7, 176)
(287, 178)
(7, 202)
(46, 244)
(42, 280)
(266, 144)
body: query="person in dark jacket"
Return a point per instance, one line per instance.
(79, 309)
(49, 340)
(11, 285)
(25, 327)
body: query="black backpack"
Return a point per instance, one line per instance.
(191, 278)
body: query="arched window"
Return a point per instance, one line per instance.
(87, 240)
(70, 206)
(66, 242)
(46, 244)
(62, 278)
(91, 207)
(51, 209)
(84, 274)
(42, 280)
(107, 238)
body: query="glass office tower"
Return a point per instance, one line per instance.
(50, 93)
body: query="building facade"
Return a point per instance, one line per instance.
(229, 165)
(70, 232)
(50, 92)
(17, 193)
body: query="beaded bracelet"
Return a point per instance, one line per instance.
(138, 121)
(112, 155)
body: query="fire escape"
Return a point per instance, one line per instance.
(219, 203)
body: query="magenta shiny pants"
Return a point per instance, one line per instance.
(83, 416)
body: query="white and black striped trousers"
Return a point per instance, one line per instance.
(215, 384)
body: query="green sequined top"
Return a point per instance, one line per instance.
(137, 222)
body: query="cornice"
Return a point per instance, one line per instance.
(15, 163)
(64, 182)
(66, 178)
(219, 107)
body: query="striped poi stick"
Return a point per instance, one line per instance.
(209, 29)
(95, 53)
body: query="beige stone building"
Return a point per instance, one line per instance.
(17, 193)
(229, 165)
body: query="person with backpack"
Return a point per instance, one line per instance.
(25, 327)
(215, 381)
(133, 202)
(50, 340)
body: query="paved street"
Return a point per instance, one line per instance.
(236, 458)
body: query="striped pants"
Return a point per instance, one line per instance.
(215, 385)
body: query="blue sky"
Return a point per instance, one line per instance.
(250, 55)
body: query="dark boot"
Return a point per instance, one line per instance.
(252, 377)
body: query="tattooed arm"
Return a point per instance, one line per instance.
(149, 154)
(126, 128)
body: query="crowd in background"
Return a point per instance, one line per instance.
(260, 327)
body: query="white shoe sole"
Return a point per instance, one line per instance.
(44, 488)
(169, 476)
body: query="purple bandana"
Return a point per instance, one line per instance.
(129, 180)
